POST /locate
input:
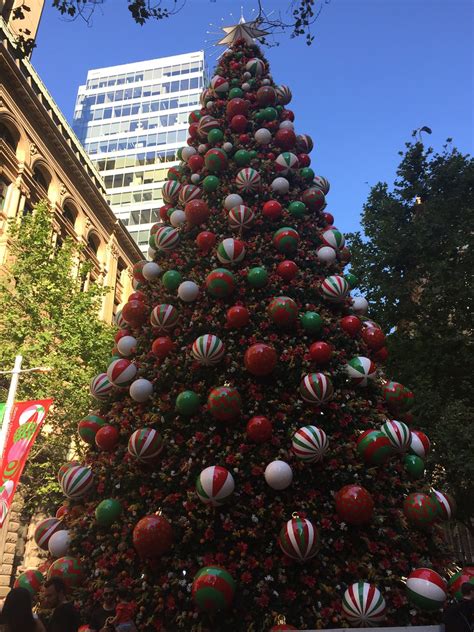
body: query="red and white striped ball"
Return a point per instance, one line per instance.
(77, 481)
(208, 350)
(247, 180)
(285, 163)
(219, 84)
(164, 317)
(45, 529)
(322, 183)
(189, 192)
(170, 191)
(166, 238)
(419, 444)
(101, 387)
(231, 251)
(309, 444)
(447, 504)
(335, 288)
(398, 434)
(240, 217)
(316, 388)
(206, 123)
(299, 539)
(145, 444)
(214, 485)
(363, 604)
(283, 95)
(121, 372)
(426, 589)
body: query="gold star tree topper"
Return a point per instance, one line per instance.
(248, 31)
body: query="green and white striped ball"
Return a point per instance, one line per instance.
(363, 604)
(309, 444)
(283, 95)
(316, 388)
(321, 183)
(164, 317)
(333, 238)
(166, 238)
(170, 191)
(299, 539)
(240, 217)
(398, 434)
(145, 444)
(447, 504)
(215, 485)
(360, 370)
(231, 251)
(208, 350)
(247, 180)
(285, 163)
(101, 387)
(255, 66)
(335, 288)
(426, 589)
(77, 481)
(45, 529)
(219, 84)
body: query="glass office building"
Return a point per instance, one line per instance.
(131, 120)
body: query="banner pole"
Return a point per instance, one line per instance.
(10, 402)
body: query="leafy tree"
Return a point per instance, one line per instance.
(415, 264)
(45, 317)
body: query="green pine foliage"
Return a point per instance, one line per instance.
(415, 264)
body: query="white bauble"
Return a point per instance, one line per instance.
(127, 345)
(151, 270)
(287, 125)
(232, 200)
(228, 147)
(58, 544)
(210, 105)
(280, 185)
(188, 291)
(360, 305)
(187, 152)
(266, 82)
(278, 475)
(326, 254)
(177, 218)
(202, 148)
(246, 75)
(195, 178)
(263, 136)
(150, 253)
(245, 87)
(141, 390)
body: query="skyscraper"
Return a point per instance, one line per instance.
(132, 119)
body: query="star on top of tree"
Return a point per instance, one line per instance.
(248, 31)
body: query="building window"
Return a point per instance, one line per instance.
(8, 136)
(42, 178)
(69, 214)
(93, 242)
(3, 193)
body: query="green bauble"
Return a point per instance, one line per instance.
(242, 157)
(260, 116)
(351, 279)
(179, 153)
(298, 209)
(270, 114)
(236, 93)
(414, 466)
(107, 512)
(253, 154)
(210, 184)
(312, 322)
(215, 136)
(171, 279)
(307, 173)
(257, 277)
(187, 403)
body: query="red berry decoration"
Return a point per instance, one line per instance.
(107, 438)
(373, 337)
(354, 505)
(351, 325)
(421, 510)
(272, 209)
(196, 211)
(162, 347)
(237, 316)
(260, 359)
(287, 270)
(285, 138)
(283, 311)
(135, 313)
(152, 537)
(206, 240)
(320, 352)
(259, 429)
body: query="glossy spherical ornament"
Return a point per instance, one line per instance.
(316, 388)
(257, 277)
(283, 95)
(187, 152)
(326, 255)
(285, 138)
(213, 589)
(263, 136)
(31, 580)
(297, 209)
(333, 238)
(151, 271)
(205, 240)
(414, 466)
(259, 429)
(419, 444)
(255, 66)
(220, 283)
(306, 172)
(287, 270)
(374, 447)
(205, 124)
(232, 200)
(398, 434)
(224, 403)
(121, 372)
(127, 345)
(354, 505)
(281, 186)
(119, 320)
(188, 291)
(166, 239)
(360, 305)
(283, 311)
(360, 370)
(304, 143)
(196, 212)
(447, 504)
(177, 218)
(188, 403)
(286, 163)
(69, 569)
(77, 481)
(171, 280)
(311, 322)
(247, 180)
(314, 199)
(398, 398)
(216, 159)
(153, 537)
(240, 217)
(59, 542)
(242, 157)
(231, 251)
(266, 95)
(134, 313)
(309, 444)
(239, 123)
(215, 485)
(107, 512)
(44, 530)
(272, 209)
(363, 605)
(322, 183)
(236, 106)
(170, 191)
(260, 359)
(219, 84)
(88, 427)
(208, 350)
(141, 390)
(107, 438)
(286, 239)
(196, 162)
(320, 352)
(210, 184)
(373, 337)
(426, 589)
(237, 316)
(299, 539)
(278, 475)
(65, 468)
(464, 576)
(162, 347)
(335, 288)
(351, 325)
(420, 510)
(145, 444)
(164, 318)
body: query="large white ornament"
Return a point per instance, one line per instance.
(150, 253)
(280, 185)
(287, 125)
(263, 136)
(58, 544)
(188, 291)
(151, 270)
(127, 345)
(326, 254)
(141, 390)
(177, 218)
(232, 200)
(187, 152)
(360, 305)
(195, 178)
(278, 475)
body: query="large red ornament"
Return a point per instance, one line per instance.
(163, 214)
(351, 325)
(106, 438)
(304, 160)
(196, 163)
(354, 504)
(283, 311)
(138, 296)
(259, 429)
(287, 270)
(329, 218)
(196, 211)
(206, 240)
(320, 352)
(236, 106)
(266, 95)
(162, 347)
(272, 209)
(135, 313)
(152, 536)
(260, 359)
(239, 123)
(373, 337)
(285, 138)
(237, 316)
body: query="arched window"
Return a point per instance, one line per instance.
(70, 213)
(9, 135)
(41, 177)
(93, 242)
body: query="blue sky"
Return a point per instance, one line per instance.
(377, 70)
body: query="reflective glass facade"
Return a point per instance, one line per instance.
(131, 120)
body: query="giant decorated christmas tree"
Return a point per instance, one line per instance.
(248, 460)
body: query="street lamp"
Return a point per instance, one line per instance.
(15, 372)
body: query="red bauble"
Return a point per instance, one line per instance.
(266, 95)
(381, 355)
(260, 359)
(272, 209)
(120, 334)
(106, 438)
(134, 313)
(304, 160)
(162, 347)
(328, 218)
(138, 296)
(164, 212)
(237, 106)
(62, 512)
(152, 536)
(195, 163)
(206, 240)
(237, 316)
(320, 352)
(193, 130)
(287, 270)
(351, 325)
(373, 337)
(354, 504)
(244, 139)
(239, 123)
(196, 211)
(287, 115)
(259, 429)
(285, 138)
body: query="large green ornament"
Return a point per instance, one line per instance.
(414, 466)
(374, 447)
(351, 279)
(187, 403)
(307, 173)
(171, 279)
(312, 322)
(210, 184)
(297, 209)
(242, 157)
(107, 512)
(215, 136)
(270, 114)
(257, 277)
(236, 93)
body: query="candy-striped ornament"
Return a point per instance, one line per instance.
(205, 96)
(219, 84)
(164, 317)
(255, 66)
(285, 163)
(360, 370)
(335, 288)
(309, 444)
(100, 387)
(206, 123)
(240, 217)
(214, 485)
(374, 447)
(65, 468)
(419, 444)
(189, 192)
(426, 589)
(145, 444)
(363, 604)
(120, 320)
(208, 350)
(45, 529)
(213, 589)
(322, 183)
(304, 143)
(247, 180)
(316, 388)
(299, 539)
(283, 95)
(121, 372)
(77, 481)
(447, 504)
(231, 251)
(165, 239)
(170, 191)
(333, 238)
(398, 434)
(88, 427)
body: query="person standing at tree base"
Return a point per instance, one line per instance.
(459, 616)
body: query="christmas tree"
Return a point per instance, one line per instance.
(248, 461)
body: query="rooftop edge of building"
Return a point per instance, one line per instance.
(148, 63)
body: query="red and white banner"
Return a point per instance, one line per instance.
(25, 422)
